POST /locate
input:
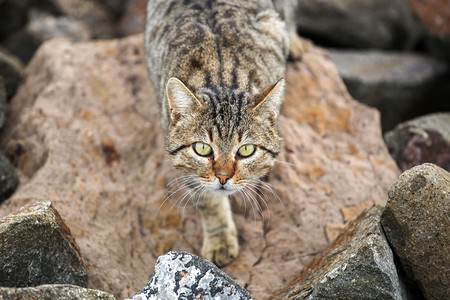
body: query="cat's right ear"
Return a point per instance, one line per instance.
(181, 100)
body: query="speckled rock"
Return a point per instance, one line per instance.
(8, 178)
(416, 223)
(83, 132)
(181, 275)
(53, 291)
(37, 248)
(421, 140)
(399, 85)
(10, 69)
(386, 24)
(358, 265)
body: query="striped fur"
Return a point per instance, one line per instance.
(218, 68)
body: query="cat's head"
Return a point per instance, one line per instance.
(223, 140)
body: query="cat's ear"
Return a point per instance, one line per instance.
(181, 100)
(271, 99)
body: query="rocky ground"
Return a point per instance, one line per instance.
(81, 135)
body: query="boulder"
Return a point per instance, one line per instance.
(416, 223)
(84, 133)
(10, 70)
(434, 16)
(53, 291)
(2, 102)
(385, 24)
(358, 265)
(399, 85)
(421, 140)
(38, 248)
(132, 21)
(8, 178)
(43, 26)
(182, 275)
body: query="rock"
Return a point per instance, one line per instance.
(8, 178)
(94, 14)
(182, 275)
(416, 223)
(83, 132)
(54, 291)
(43, 26)
(132, 20)
(383, 24)
(358, 265)
(10, 69)
(38, 248)
(399, 85)
(421, 140)
(434, 16)
(13, 15)
(2, 103)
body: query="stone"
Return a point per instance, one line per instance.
(42, 26)
(182, 275)
(399, 85)
(53, 291)
(434, 16)
(8, 178)
(421, 140)
(38, 248)
(416, 223)
(132, 20)
(382, 24)
(83, 132)
(94, 14)
(10, 70)
(358, 265)
(3, 103)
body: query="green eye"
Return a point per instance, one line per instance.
(246, 150)
(202, 149)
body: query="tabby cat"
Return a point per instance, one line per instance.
(218, 69)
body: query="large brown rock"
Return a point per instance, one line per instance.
(84, 133)
(416, 222)
(53, 291)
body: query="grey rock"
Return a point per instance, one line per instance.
(38, 248)
(421, 140)
(358, 265)
(399, 85)
(10, 69)
(8, 178)
(2, 102)
(416, 223)
(386, 24)
(53, 291)
(181, 275)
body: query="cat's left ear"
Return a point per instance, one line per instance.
(181, 100)
(271, 99)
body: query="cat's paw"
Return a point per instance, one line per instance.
(221, 249)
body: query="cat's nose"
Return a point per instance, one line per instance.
(223, 178)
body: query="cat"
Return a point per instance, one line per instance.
(218, 68)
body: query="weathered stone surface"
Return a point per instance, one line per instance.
(421, 140)
(8, 178)
(399, 85)
(132, 20)
(91, 12)
(38, 248)
(416, 223)
(10, 69)
(434, 15)
(53, 291)
(386, 24)
(358, 265)
(182, 275)
(84, 133)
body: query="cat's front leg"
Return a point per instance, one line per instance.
(220, 243)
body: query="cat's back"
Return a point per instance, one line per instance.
(230, 44)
